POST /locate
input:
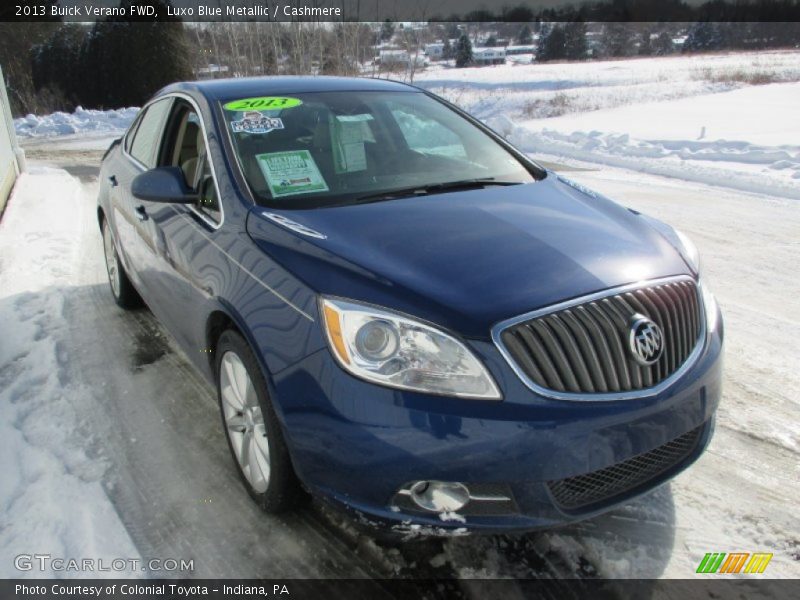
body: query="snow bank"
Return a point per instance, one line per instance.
(697, 118)
(81, 121)
(51, 497)
(746, 139)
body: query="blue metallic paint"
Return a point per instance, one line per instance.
(461, 260)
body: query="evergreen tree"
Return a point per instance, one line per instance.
(15, 41)
(552, 43)
(663, 44)
(575, 40)
(387, 30)
(128, 62)
(617, 39)
(453, 32)
(463, 51)
(645, 47)
(56, 64)
(525, 36)
(703, 36)
(491, 42)
(447, 49)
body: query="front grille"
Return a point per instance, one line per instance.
(585, 348)
(599, 486)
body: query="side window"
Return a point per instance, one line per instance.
(186, 148)
(132, 132)
(207, 200)
(427, 135)
(148, 134)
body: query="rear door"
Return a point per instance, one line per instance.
(140, 149)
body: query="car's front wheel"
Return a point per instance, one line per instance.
(122, 289)
(254, 434)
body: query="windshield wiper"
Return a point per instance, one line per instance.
(433, 188)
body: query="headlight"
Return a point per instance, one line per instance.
(690, 250)
(711, 307)
(393, 350)
(709, 302)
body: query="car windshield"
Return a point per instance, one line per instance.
(332, 148)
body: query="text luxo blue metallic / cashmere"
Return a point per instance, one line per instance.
(402, 313)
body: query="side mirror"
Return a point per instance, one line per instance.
(163, 184)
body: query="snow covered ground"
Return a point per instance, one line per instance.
(80, 121)
(51, 489)
(695, 118)
(110, 441)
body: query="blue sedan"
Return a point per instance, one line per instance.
(403, 314)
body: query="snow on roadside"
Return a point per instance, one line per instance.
(51, 497)
(744, 139)
(80, 121)
(698, 118)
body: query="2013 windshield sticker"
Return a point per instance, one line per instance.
(292, 172)
(256, 122)
(263, 103)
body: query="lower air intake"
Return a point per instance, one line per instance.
(599, 486)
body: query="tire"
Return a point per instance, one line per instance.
(254, 434)
(125, 295)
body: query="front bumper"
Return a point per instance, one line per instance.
(357, 443)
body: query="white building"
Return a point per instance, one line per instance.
(527, 49)
(488, 56)
(12, 158)
(434, 51)
(212, 71)
(400, 58)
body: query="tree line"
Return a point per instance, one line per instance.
(654, 11)
(113, 63)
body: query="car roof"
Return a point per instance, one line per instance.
(248, 87)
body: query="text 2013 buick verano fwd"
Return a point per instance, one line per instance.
(403, 314)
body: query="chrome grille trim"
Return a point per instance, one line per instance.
(602, 338)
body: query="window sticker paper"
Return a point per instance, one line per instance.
(292, 172)
(255, 122)
(262, 103)
(354, 118)
(348, 134)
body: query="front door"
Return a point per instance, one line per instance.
(175, 234)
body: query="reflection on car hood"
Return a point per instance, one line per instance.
(466, 260)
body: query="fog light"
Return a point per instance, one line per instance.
(439, 496)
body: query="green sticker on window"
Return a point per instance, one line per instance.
(291, 172)
(263, 103)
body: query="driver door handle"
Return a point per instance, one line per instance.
(141, 213)
(113, 180)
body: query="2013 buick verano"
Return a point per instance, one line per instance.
(402, 313)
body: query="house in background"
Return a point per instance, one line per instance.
(488, 56)
(434, 51)
(516, 50)
(212, 71)
(400, 59)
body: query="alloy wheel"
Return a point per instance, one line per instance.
(244, 421)
(112, 260)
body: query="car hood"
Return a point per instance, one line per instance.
(467, 260)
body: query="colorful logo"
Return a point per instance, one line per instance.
(734, 562)
(255, 122)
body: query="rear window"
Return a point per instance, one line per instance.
(326, 148)
(147, 136)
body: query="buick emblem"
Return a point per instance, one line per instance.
(646, 340)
